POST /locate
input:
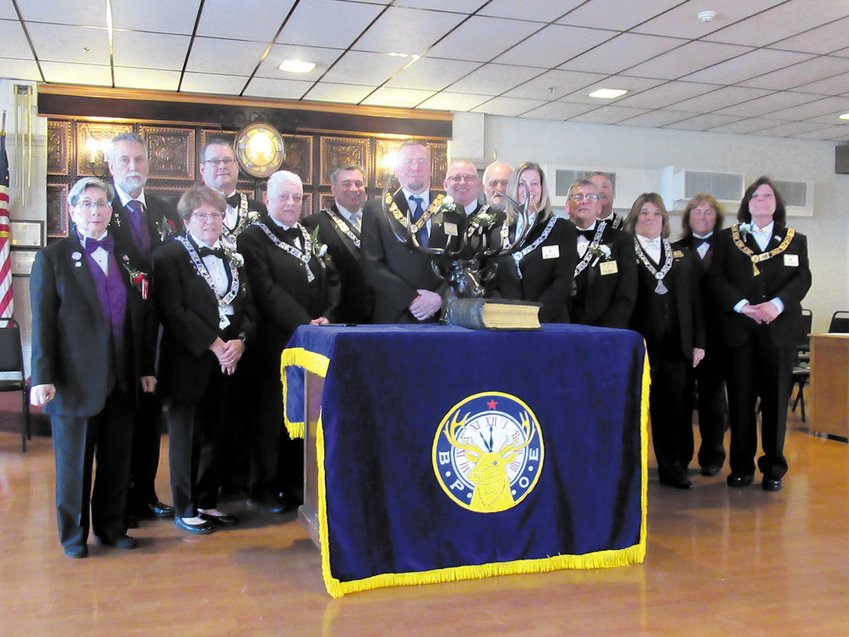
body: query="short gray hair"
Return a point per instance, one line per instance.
(84, 184)
(280, 177)
(134, 138)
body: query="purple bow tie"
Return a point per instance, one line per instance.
(107, 243)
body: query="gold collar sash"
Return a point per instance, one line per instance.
(420, 223)
(757, 258)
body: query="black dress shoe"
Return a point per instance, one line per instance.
(272, 504)
(132, 521)
(711, 470)
(76, 551)
(771, 484)
(201, 529)
(740, 479)
(124, 542)
(677, 483)
(220, 520)
(160, 510)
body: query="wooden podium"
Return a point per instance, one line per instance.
(830, 384)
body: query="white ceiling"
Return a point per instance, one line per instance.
(767, 67)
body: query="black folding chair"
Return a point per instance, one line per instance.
(12, 362)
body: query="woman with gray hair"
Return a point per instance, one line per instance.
(93, 349)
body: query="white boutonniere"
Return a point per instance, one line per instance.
(601, 252)
(744, 229)
(318, 249)
(447, 205)
(482, 220)
(234, 258)
(253, 216)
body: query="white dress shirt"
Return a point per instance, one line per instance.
(651, 247)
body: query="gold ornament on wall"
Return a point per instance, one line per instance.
(259, 149)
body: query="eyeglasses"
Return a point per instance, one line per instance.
(89, 205)
(579, 197)
(227, 162)
(419, 161)
(214, 216)
(469, 179)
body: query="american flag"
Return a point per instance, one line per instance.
(7, 304)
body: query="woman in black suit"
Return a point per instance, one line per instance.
(541, 269)
(759, 275)
(668, 314)
(207, 316)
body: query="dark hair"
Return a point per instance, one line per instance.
(215, 141)
(334, 175)
(702, 197)
(780, 214)
(198, 195)
(639, 202)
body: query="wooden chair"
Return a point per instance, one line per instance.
(12, 362)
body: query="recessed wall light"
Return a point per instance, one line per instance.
(844, 116)
(608, 93)
(296, 66)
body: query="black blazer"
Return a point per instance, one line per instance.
(607, 300)
(731, 279)
(356, 299)
(682, 281)
(163, 222)
(545, 279)
(280, 291)
(395, 271)
(188, 309)
(712, 311)
(71, 343)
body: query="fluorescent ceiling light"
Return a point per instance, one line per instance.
(296, 66)
(608, 93)
(844, 116)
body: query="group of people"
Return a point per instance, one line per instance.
(222, 283)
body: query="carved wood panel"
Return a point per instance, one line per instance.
(339, 151)
(171, 152)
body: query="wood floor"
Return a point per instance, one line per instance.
(720, 562)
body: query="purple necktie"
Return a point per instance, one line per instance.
(141, 237)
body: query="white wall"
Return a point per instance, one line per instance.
(649, 150)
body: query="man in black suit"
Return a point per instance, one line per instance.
(93, 342)
(207, 317)
(140, 223)
(292, 286)
(463, 184)
(220, 171)
(605, 283)
(406, 288)
(606, 196)
(701, 220)
(340, 229)
(759, 275)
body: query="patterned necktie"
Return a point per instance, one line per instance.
(137, 225)
(418, 211)
(357, 220)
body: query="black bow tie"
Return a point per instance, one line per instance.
(588, 234)
(203, 251)
(234, 200)
(699, 242)
(292, 233)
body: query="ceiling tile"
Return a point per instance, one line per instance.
(493, 79)
(457, 6)
(535, 10)
(150, 79)
(256, 20)
(620, 81)
(558, 110)
(820, 108)
(214, 84)
(682, 21)
(830, 86)
(824, 39)
(744, 126)
(780, 22)
(453, 102)
(60, 43)
(554, 84)
(7, 11)
(323, 59)
(703, 122)
(768, 104)
(371, 69)
(608, 115)
(150, 50)
(622, 52)
(79, 12)
(482, 38)
(686, 59)
(432, 74)
(836, 133)
(747, 66)
(656, 119)
(508, 106)
(19, 70)
(609, 14)
(344, 93)
(792, 129)
(284, 89)
(14, 40)
(233, 57)
(159, 16)
(804, 73)
(392, 32)
(349, 20)
(66, 73)
(720, 98)
(554, 45)
(397, 97)
(667, 94)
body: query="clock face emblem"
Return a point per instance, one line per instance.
(488, 452)
(259, 149)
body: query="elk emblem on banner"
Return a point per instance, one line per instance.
(488, 452)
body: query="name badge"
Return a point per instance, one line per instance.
(450, 228)
(791, 260)
(608, 267)
(677, 254)
(550, 252)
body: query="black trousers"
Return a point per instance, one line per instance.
(78, 441)
(759, 369)
(670, 424)
(196, 430)
(708, 379)
(145, 460)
